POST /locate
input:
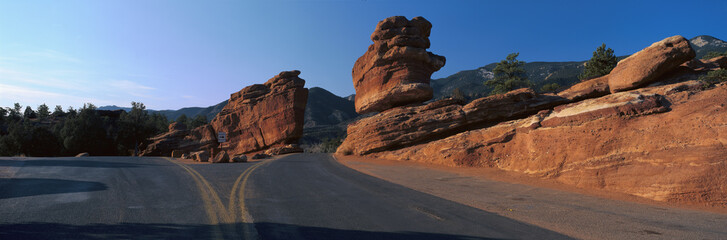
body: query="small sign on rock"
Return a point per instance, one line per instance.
(221, 137)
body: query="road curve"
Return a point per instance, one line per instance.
(311, 196)
(119, 198)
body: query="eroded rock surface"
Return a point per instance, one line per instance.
(264, 115)
(405, 126)
(648, 129)
(664, 143)
(258, 117)
(647, 65)
(397, 68)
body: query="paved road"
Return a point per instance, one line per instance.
(311, 196)
(576, 215)
(301, 196)
(297, 197)
(116, 197)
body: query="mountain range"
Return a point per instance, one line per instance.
(327, 115)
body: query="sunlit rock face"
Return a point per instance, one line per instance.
(256, 118)
(261, 116)
(397, 68)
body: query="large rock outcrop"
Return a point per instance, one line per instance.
(264, 115)
(256, 118)
(649, 64)
(665, 143)
(405, 126)
(181, 139)
(648, 129)
(396, 68)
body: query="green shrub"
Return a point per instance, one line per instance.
(716, 76)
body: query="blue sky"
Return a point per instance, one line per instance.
(173, 54)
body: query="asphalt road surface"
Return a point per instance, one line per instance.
(300, 196)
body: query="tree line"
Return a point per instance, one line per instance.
(43, 133)
(510, 75)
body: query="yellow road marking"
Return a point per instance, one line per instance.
(211, 213)
(213, 205)
(244, 214)
(231, 204)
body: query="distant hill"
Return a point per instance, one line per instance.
(704, 44)
(172, 115)
(326, 115)
(191, 112)
(471, 82)
(325, 108)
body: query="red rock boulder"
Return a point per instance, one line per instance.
(664, 143)
(405, 126)
(647, 65)
(264, 115)
(396, 68)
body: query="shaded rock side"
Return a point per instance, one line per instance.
(180, 139)
(264, 115)
(256, 118)
(404, 126)
(664, 143)
(396, 68)
(647, 65)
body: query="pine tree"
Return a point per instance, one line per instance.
(43, 111)
(58, 111)
(29, 113)
(199, 120)
(458, 94)
(602, 62)
(509, 75)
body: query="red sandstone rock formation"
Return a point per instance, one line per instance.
(397, 68)
(663, 139)
(649, 64)
(405, 126)
(256, 118)
(664, 143)
(181, 139)
(264, 115)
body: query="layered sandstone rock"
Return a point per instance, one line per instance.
(647, 129)
(649, 64)
(397, 68)
(181, 139)
(405, 126)
(256, 118)
(290, 148)
(591, 88)
(264, 115)
(664, 143)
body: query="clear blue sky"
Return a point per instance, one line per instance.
(173, 54)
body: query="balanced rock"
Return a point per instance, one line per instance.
(264, 115)
(396, 68)
(647, 65)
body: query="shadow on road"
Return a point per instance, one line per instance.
(70, 163)
(23, 187)
(177, 231)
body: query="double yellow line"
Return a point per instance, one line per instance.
(216, 211)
